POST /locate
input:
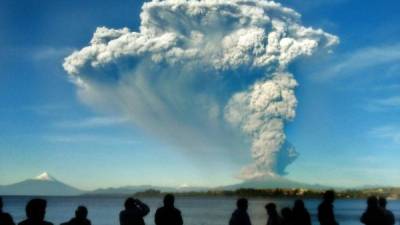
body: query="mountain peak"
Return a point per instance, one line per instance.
(43, 184)
(45, 177)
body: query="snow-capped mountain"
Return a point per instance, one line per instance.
(45, 177)
(43, 184)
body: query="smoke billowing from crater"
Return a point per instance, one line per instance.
(205, 75)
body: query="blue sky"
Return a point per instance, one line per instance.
(347, 128)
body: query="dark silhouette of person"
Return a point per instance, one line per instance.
(326, 215)
(35, 212)
(80, 217)
(287, 216)
(133, 213)
(301, 216)
(240, 215)
(5, 218)
(273, 216)
(373, 215)
(168, 214)
(389, 217)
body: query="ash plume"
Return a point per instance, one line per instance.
(205, 75)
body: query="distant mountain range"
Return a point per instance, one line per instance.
(44, 184)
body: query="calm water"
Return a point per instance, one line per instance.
(195, 210)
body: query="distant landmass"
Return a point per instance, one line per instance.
(47, 185)
(274, 186)
(44, 184)
(127, 190)
(273, 182)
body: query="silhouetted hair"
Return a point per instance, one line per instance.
(372, 201)
(36, 209)
(329, 195)
(129, 203)
(382, 202)
(169, 200)
(81, 212)
(270, 207)
(299, 204)
(242, 203)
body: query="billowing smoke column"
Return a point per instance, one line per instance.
(203, 73)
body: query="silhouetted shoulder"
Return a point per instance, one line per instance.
(389, 217)
(29, 222)
(326, 215)
(76, 221)
(168, 216)
(240, 217)
(6, 219)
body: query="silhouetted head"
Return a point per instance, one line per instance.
(36, 209)
(130, 203)
(81, 212)
(169, 200)
(299, 205)
(1, 204)
(286, 213)
(242, 204)
(372, 202)
(271, 208)
(329, 196)
(382, 202)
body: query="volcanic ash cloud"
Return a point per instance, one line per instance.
(200, 74)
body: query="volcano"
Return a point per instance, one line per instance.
(43, 184)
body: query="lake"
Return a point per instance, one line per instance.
(195, 210)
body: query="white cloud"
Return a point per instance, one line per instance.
(50, 53)
(82, 138)
(92, 122)
(383, 104)
(388, 132)
(388, 87)
(361, 61)
(45, 109)
(204, 75)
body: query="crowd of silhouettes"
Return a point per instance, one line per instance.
(135, 210)
(376, 213)
(299, 215)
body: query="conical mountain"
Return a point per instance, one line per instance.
(41, 185)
